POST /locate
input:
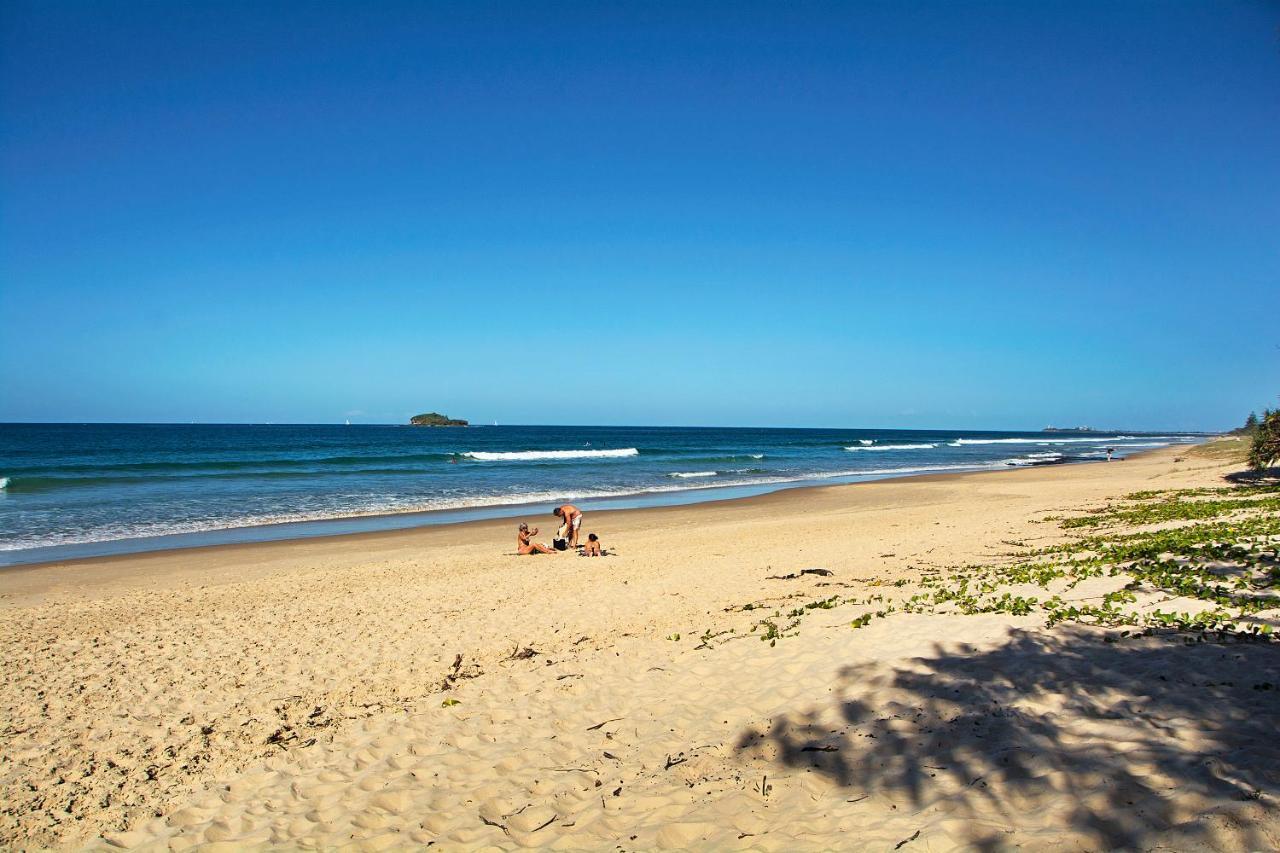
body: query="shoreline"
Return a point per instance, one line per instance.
(230, 561)
(389, 523)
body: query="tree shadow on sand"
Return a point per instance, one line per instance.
(1124, 743)
(1265, 477)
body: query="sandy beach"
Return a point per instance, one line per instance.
(400, 689)
(914, 365)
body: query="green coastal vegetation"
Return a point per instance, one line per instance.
(1263, 434)
(435, 419)
(1216, 578)
(1201, 563)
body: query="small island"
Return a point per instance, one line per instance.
(435, 419)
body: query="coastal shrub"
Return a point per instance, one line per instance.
(1265, 448)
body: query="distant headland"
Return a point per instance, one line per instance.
(435, 419)
(1067, 429)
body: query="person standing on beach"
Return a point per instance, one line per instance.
(572, 518)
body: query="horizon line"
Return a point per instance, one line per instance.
(608, 426)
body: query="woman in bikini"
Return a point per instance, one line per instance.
(525, 543)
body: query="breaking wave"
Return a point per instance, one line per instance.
(535, 455)
(1048, 458)
(963, 442)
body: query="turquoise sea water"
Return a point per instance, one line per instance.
(69, 490)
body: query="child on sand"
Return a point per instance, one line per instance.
(525, 545)
(592, 548)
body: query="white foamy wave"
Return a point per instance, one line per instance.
(535, 455)
(963, 442)
(756, 455)
(693, 473)
(4, 482)
(1033, 459)
(919, 469)
(866, 441)
(892, 447)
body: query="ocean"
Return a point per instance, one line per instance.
(75, 490)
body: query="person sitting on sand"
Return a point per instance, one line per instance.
(525, 543)
(592, 548)
(572, 518)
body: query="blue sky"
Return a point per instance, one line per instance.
(888, 214)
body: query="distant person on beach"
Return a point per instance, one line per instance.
(1110, 450)
(525, 543)
(592, 548)
(572, 518)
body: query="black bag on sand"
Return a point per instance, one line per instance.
(560, 544)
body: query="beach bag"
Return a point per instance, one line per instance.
(560, 544)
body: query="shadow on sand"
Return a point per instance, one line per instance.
(1268, 477)
(1126, 744)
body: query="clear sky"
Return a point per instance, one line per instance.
(806, 214)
